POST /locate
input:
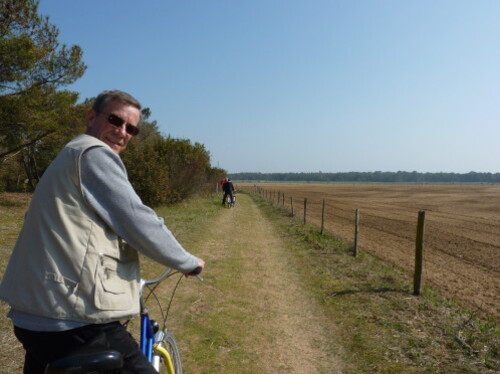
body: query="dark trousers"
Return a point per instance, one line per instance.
(44, 347)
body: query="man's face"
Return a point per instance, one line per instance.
(116, 137)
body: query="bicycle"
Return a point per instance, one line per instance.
(158, 345)
(230, 203)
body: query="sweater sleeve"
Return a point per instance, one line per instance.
(106, 188)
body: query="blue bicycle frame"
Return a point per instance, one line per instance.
(147, 336)
(151, 342)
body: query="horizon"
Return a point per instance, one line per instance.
(360, 172)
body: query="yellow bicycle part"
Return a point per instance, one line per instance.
(166, 356)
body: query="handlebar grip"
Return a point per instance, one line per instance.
(196, 271)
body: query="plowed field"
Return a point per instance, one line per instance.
(462, 229)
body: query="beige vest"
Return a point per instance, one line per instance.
(67, 263)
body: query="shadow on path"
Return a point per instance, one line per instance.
(375, 290)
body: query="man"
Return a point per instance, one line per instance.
(73, 273)
(228, 188)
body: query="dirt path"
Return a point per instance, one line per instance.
(282, 326)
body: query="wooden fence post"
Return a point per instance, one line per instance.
(419, 253)
(356, 233)
(291, 204)
(322, 217)
(305, 208)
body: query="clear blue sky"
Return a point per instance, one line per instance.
(304, 85)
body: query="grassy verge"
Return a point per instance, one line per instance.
(383, 327)
(188, 221)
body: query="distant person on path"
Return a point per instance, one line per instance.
(228, 188)
(74, 271)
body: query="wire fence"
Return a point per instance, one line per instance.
(338, 218)
(462, 246)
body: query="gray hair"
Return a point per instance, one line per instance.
(115, 95)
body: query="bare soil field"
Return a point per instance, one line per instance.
(462, 229)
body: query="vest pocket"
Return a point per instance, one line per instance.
(69, 284)
(116, 283)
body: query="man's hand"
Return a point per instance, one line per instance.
(196, 271)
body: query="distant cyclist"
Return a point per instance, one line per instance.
(228, 188)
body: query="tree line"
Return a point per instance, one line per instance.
(376, 176)
(38, 116)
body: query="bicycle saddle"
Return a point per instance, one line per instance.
(86, 362)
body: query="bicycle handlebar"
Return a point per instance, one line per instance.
(159, 279)
(166, 273)
(196, 271)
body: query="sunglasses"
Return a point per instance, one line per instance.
(118, 122)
